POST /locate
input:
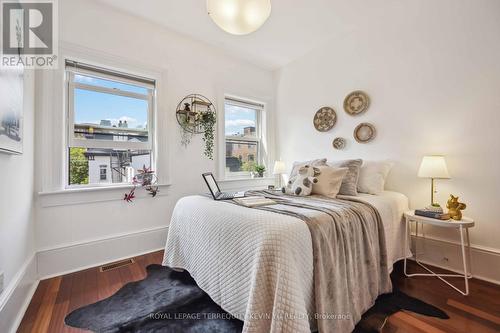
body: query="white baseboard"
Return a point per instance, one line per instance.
(75, 257)
(445, 254)
(17, 296)
(47, 263)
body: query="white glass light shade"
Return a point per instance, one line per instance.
(239, 17)
(433, 167)
(279, 168)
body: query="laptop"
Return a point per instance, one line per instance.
(215, 190)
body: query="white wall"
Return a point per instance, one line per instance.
(17, 229)
(433, 73)
(189, 67)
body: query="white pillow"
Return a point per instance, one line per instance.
(372, 176)
(329, 181)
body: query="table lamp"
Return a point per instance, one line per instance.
(278, 170)
(433, 167)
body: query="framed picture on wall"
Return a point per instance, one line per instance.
(11, 110)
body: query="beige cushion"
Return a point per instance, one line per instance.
(373, 175)
(329, 181)
(350, 182)
(298, 165)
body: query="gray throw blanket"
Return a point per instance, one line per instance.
(349, 251)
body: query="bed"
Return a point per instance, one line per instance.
(261, 264)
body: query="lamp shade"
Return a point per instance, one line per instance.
(433, 167)
(239, 17)
(279, 168)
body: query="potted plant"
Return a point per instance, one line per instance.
(260, 169)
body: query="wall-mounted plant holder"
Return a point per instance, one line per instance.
(196, 114)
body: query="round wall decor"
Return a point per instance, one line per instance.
(356, 102)
(364, 132)
(339, 143)
(324, 119)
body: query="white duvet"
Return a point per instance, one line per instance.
(226, 248)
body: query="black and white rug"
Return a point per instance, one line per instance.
(170, 301)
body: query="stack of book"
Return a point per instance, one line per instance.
(254, 201)
(432, 214)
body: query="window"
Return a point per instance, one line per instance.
(243, 135)
(109, 124)
(103, 174)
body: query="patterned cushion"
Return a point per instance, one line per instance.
(298, 165)
(350, 182)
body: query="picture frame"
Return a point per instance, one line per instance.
(11, 110)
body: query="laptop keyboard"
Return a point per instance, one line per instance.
(226, 195)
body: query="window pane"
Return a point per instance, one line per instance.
(105, 166)
(102, 116)
(241, 155)
(240, 121)
(94, 81)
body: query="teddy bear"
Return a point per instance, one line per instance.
(301, 184)
(455, 207)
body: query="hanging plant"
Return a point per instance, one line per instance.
(208, 121)
(196, 114)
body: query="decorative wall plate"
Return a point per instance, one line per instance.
(324, 119)
(339, 143)
(356, 103)
(364, 132)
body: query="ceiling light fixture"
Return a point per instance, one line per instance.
(239, 17)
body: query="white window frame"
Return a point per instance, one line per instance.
(260, 108)
(71, 141)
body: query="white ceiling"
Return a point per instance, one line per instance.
(294, 27)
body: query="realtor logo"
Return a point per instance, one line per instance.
(29, 33)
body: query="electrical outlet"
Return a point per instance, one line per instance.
(1, 282)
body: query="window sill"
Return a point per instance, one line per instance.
(95, 194)
(92, 188)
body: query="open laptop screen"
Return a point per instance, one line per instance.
(212, 184)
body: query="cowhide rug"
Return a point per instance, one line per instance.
(170, 301)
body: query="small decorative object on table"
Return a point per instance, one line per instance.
(356, 102)
(147, 179)
(433, 167)
(455, 208)
(339, 143)
(324, 119)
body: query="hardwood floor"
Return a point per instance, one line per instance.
(478, 312)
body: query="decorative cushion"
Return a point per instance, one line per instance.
(373, 175)
(302, 183)
(329, 181)
(350, 182)
(314, 163)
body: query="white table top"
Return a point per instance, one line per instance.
(464, 222)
